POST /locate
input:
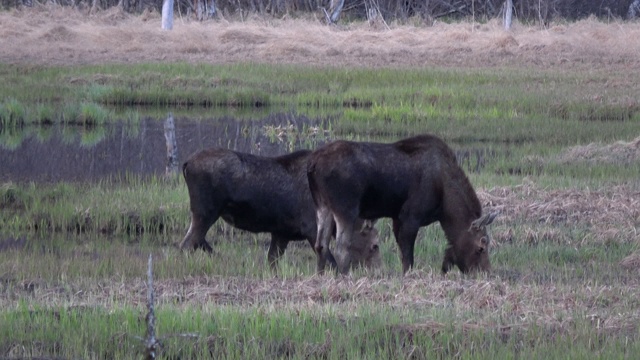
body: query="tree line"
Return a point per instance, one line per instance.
(528, 11)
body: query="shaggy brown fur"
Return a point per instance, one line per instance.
(260, 194)
(415, 182)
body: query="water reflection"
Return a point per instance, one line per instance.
(71, 153)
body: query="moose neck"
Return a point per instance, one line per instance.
(454, 229)
(461, 207)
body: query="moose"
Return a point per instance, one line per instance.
(262, 194)
(415, 182)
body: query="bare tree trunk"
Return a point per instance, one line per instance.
(205, 9)
(200, 9)
(542, 15)
(508, 12)
(151, 343)
(167, 14)
(634, 10)
(172, 146)
(335, 8)
(211, 9)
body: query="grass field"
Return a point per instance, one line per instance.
(561, 145)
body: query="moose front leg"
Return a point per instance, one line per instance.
(449, 259)
(276, 250)
(405, 233)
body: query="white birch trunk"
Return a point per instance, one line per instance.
(336, 9)
(167, 14)
(151, 343)
(508, 13)
(211, 9)
(634, 10)
(172, 146)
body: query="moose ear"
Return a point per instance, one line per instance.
(489, 219)
(484, 220)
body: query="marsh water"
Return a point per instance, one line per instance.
(59, 152)
(75, 153)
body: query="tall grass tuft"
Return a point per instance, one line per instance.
(12, 113)
(44, 114)
(92, 114)
(70, 113)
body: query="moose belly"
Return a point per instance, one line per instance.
(249, 217)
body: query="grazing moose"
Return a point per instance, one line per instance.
(415, 182)
(262, 194)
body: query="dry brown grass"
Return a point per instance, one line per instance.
(54, 35)
(522, 304)
(608, 213)
(620, 153)
(631, 262)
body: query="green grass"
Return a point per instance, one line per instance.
(133, 207)
(73, 255)
(258, 333)
(79, 296)
(394, 96)
(556, 291)
(16, 114)
(518, 113)
(12, 113)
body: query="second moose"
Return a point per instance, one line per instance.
(415, 182)
(262, 194)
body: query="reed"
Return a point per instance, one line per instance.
(12, 113)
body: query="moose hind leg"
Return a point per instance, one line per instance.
(325, 228)
(195, 237)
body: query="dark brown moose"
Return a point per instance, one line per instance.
(415, 182)
(261, 194)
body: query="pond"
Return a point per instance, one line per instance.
(72, 153)
(57, 153)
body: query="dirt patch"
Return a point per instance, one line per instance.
(52, 35)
